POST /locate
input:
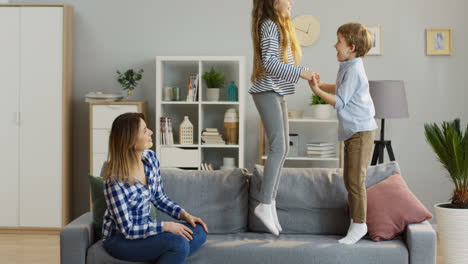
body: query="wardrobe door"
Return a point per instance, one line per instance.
(9, 87)
(41, 116)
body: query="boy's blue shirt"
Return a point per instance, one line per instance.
(354, 104)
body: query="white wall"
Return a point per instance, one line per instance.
(117, 34)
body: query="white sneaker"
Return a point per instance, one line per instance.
(275, 215)
(263, 212)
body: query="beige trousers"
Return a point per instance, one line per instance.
(357, 152)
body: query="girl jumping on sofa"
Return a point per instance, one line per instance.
(131, 183)
(276, 55)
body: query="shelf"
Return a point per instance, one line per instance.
(170, 72)
(219, 103)
(178, 102)
(310, 120)
(305, 158)
(218, 146)
(178, 146)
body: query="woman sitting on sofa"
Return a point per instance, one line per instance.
(131, 183)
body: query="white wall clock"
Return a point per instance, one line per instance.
(307, 29)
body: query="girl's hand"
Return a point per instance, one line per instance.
(307, 75)
(192, 220)
(178, 229)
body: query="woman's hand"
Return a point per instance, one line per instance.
(192, 220)
(178, 229)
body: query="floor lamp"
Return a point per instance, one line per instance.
(390, 102)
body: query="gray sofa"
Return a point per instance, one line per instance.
(310, 205)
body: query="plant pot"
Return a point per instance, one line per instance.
(319, 111)
(212, 94)
(453, 233)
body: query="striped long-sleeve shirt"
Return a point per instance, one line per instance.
(279, 77)
(128, 206)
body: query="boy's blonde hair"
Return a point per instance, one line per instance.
(262, 10)
(357, 34)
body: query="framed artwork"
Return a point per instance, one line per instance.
(376, 31)
(438, 41)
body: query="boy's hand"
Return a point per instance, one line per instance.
(314, 85)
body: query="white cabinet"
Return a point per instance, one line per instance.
(174, 71)
(35, 69)
(101, 116)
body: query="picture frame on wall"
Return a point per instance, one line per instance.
(376, 31)
(438, 41)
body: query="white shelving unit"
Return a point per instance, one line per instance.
(309, 130)
(174, 71)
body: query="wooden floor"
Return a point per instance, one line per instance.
(41, 249)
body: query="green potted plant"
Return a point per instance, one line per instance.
(319, 109)
(214, 81)
(129, 79)
(450, 144)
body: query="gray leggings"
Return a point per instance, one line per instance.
(274, 114)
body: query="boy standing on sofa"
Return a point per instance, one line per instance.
(351, 98)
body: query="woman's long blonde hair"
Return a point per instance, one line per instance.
(262, 10)
(123, 157)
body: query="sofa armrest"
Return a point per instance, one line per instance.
(75, 239)
(421, 240)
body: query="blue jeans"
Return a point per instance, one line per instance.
(161, 248)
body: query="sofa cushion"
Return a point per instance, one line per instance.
(219, 197)
(391, 206)
(98, 255)
(256, 248)
(312, 200)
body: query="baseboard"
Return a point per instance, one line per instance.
(30, 230)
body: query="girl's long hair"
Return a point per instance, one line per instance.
(123, 158)
(262, 10)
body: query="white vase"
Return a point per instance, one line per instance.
(212, 94)
(452, 226)
(186, 132)
(319, 111)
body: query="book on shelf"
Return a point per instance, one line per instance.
(320, 144)
(206, 166)
(331, 155)
(167, 137)
(212, 136)
(192, 88)
(321, 152)
(321, 148)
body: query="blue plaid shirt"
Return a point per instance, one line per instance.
(128, 206)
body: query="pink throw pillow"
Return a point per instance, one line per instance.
(391, 206)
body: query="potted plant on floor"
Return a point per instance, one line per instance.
(129, 80)
(318, 109)
(450, 143)
(214, 82)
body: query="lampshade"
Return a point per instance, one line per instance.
(389, 99)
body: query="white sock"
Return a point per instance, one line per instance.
(350, 224)
(263, 212)
(355, 233)
(275, 215)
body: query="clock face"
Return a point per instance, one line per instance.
(307, 29)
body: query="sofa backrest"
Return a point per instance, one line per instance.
(311, 200)
(220, 198)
